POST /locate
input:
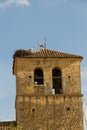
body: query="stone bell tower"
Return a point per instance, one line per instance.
(48, 90)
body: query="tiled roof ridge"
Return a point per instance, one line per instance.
(63, 54)
(44, 52)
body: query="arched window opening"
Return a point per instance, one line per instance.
(38, 76)
(57, 85)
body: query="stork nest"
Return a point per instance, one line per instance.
(22, 53)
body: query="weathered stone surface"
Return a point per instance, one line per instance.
(25, 74)
(50, 112)
(37, 108)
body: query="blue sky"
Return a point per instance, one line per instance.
(24, 23)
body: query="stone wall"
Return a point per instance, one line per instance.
(36, 107)
(53, 112)
(24, 71)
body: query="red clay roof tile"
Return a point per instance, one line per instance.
(44, 53)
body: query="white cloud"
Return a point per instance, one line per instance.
(22, 2)
(4, 3)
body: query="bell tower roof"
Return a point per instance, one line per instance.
(44, 53)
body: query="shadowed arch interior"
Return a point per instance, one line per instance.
(56, 78)
(38, 76)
